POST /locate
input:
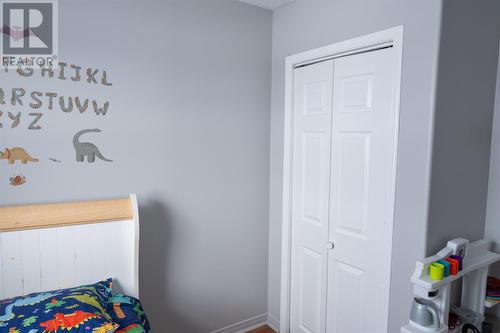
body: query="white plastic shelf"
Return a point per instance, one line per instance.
(490, 304)
(429, 284)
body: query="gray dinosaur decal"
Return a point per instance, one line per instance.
(87, 149)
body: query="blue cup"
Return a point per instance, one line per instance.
(447, 266)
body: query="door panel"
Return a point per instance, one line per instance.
(349, 302)
(362, 173)
(310, 290)
(313, 195)
(352, 194)
(310, 197)
(357, 93)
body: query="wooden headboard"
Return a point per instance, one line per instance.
(48, 247)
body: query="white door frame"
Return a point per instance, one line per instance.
(390, 37)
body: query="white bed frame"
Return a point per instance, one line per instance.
(48, 247)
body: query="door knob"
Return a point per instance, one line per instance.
(330, 245)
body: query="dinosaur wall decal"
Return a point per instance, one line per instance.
(87, 149)
(16, 154)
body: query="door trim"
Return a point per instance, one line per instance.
(392, 37)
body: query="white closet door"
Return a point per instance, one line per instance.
(310, 196)
(362, 190)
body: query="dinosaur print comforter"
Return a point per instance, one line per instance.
(129, 314)
(75, 310)
(86, 309)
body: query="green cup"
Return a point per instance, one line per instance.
(436, 271)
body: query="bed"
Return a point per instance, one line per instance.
(56, 260)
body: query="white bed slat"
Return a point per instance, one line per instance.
(48, 259)
(83, 255)
(12, 265)
(66, 257)
(30, 253)
(99, 251)
(114, 232)
(128, 277)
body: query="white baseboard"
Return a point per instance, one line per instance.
(273, 322)
(245, 325)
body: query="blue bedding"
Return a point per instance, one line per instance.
(127, 311)
(87, 309)
(75, 310)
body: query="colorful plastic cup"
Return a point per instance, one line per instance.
(446, 267)
(454, 265)
(436, 271)
(460, 259)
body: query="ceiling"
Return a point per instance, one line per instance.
(268, 4)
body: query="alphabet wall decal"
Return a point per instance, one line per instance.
(87, 149)
(38, 100)
(30, 108)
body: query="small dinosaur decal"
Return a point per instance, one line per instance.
(54, 304)
(17, 154)
(29, 321)
(23, 302)
(67, 321)
(87, 149)
(87, 300)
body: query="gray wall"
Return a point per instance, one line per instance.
(305, 25)
(464, 111)
(188, 128)
(492, 227)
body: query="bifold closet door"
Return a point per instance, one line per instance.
(310, 196)
(343, 175)
(362, 191)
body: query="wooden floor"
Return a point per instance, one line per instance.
(263, 329)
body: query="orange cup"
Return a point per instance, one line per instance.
(454, 264)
